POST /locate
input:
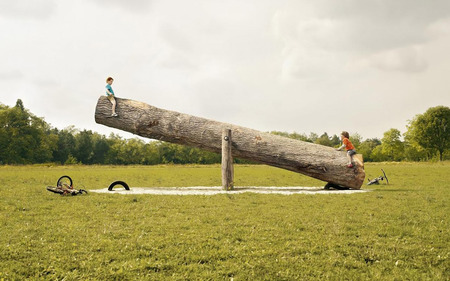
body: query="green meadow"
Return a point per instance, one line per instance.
(395, 232)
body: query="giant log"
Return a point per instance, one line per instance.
(317, 161)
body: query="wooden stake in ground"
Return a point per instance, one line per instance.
(227, 161)
(317, 161)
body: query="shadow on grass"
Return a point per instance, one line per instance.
(391, 190)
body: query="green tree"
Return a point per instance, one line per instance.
(366, 148)
(114, 142)
(294, 135)
(335, 141)
(414, 152)
(71, 160)
(151, 153)
(48, 143)
(324, 139)
(278, 133)
(431, 130)
(301, 137)
(65, 145)
(377, 154)
(356, 139)
(84, 149)
(131, 152)
(18, 139)
(24, 137)
(19, 104)
(100, 149)
(313, 137)
(392, 146)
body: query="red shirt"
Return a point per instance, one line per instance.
(348, 144)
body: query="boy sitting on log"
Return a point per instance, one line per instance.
(110, 94)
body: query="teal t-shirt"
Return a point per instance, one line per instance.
(109, 88)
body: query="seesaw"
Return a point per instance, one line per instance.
(314, 160)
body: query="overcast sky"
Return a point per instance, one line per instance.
(288, 65)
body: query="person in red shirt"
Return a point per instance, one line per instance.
(345, 137)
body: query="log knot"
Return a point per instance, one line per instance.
(259, 140)
(153, 123)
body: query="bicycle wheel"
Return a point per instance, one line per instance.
(60, 181)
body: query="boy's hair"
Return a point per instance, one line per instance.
(345, 134)
(109, 79)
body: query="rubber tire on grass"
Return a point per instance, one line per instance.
(122, 183)
(71, 182)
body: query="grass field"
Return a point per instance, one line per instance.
(396, 232)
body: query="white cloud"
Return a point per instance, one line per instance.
(439, 28)
(408, 59)
(7, 75)
(36, 9)
(135, 6)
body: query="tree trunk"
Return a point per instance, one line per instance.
(317, 161)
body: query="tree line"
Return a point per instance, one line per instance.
(28, 139)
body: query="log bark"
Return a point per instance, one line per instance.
(317, 161)
(227, 161)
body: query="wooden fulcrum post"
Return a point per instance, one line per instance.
(227, 161)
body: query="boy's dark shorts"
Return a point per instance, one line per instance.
(351, 152)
